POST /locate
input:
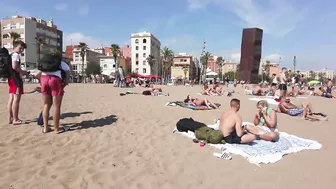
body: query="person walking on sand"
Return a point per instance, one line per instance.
(15, 83)
(231, 126)
(52, 88)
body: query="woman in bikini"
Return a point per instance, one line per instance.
(198, 102)
(265, 122)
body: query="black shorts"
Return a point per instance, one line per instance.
(233, 138)
(283, 87)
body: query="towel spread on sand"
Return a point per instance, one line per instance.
(264, 152)
(269, 100)
(186, 105)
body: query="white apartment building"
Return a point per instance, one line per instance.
(144, 44)
(77, 64)
(330, 74)
(108, 65)
(30, 28)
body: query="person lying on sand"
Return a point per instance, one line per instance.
(306, 110)
(322, 92)
(154, 93)
(257, 91)
(155, 89)
(265, 122)
(199, 102)
(231, 126)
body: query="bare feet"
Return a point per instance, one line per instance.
(19, 122)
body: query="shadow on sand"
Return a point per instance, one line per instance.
(73, 114)
(101, 122)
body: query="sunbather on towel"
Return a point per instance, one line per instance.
(265, 122)
(231, 126)
(306, 110)
(199, 102)
(155, 89)
(154, 93)
(257, 91)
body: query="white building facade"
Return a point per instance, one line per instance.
(77, 64)
(144, 44)
(107, 64)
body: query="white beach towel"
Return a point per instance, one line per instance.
(264, 152)
(269, 100)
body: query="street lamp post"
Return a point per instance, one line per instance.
(294, 63)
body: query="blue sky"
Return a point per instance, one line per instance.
(304, 28)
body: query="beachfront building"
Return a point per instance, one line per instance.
(90, 57)
(326, 73)
(30, 29)
(142, 45)
(229, 66)
(108, 65)
(183, 67)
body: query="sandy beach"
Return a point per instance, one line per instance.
(127, 142)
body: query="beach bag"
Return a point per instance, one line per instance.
(5, 63)
(209, 135)
(50, 63)
(188, 124)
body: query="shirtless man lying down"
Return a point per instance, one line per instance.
(231, 126)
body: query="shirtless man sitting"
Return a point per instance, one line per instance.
(198, 102)
(306, 110)
(231, 126)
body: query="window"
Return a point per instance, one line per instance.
(136, 47)
(144, 47)
(181, 60)
(144, 62)
(137, 63)
(136, 41)
(105, 65)
(144, 70)
(136, 55)
(74, 67)
(144, 55)
(136, 70)
(144, 41)
(114, 66)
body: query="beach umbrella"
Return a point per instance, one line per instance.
(312, 82)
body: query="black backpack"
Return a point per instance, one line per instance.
(50, 63)
(5, 63)
(188, 124)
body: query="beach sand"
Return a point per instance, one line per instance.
(127, 142)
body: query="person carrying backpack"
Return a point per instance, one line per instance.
(10, 68)
(55, 76)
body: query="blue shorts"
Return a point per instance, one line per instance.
(295, 112)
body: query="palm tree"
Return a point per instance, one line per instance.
(204, 61)
(220, 62)
(83, 47)
(116, 53)
(185, 71)
(13, 35)
(236, 76)
(39, 42)
(167, 57)
(151, 61)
